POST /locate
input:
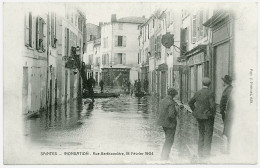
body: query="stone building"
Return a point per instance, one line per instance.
(119, 50)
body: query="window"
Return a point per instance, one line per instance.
(119, 58)
(40, 37)
(90, 59)
(153, 23)
(194, 29)
(105, 59)
(53, 29)
(105, 42)
(67, 40)
(148, 31)
(28, 30)
(120, 41)
(120, 26)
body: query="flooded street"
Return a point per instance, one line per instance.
(124, 124)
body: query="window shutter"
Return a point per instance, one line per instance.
(52, 29)
(65, 46)
(124, 59)
(107, 59)
(116, 41)
(201, 30)
(27, 29)
(124, 41)
(37, 33)
(116, 59)
(194, 28)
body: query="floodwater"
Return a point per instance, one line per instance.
(123, 124)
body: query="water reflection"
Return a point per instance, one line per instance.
(123, 123)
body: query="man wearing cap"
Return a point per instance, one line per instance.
(204, 112)
(167, 119)
(227, 81)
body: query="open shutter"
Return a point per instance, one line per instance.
(194, 29)
(116, 59)
(27, 29)
(116, 41)
(37, 32)
(107, 59)
(182, 37)
(124, 41)
(201, 22)
(65, 46)
(124, 58)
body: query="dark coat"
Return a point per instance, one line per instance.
(228, 122)
(167, 113)
(224, 99)
(205, 104)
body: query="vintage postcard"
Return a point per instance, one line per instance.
(130, 83)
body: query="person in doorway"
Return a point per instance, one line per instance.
(204, 112)
(226, 110)
(227, 83)
(101, 84)
(167, 119)
(90, 88)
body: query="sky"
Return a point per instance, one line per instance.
(101, 11)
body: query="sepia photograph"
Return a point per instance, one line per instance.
(130, 83)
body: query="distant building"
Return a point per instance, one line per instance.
(93, 31)
(119, 50)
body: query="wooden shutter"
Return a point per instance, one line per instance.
(201, 30)
(124, 59)
(194, 29)
(52, 29)
(124, 41)
(116, 59)
(37, 32)
(66, 45)
(27, 29)
(116, 41)
(107, 59)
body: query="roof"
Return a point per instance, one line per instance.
(131, 19)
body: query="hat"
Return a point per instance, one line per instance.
(206, 81)
(172, 92)
(227, 79)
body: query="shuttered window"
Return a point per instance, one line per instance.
(201, 27)
(120, 41)
(53, 29)
(67, 37)
(194, 29)
(28, 29)
(40, 36)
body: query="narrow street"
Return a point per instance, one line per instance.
(114, 125)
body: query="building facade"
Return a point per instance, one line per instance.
(48, 37)
(119, 50)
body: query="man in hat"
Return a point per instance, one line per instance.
(167, 119)
(226, 110)
(227, 83)
(204, 112)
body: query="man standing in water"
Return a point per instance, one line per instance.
(204, 112)
(167, 119)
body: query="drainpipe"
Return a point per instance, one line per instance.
(48, 49)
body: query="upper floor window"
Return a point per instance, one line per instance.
(40, 36)
(120, 41)
(105, 42)
(120, 26)
(28, 29)
(53, 29)
(119, 58)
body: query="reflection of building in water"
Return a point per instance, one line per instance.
(48, 78)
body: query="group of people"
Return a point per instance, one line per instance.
(204, 110)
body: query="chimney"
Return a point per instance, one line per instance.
(113, 18)
(100, 24)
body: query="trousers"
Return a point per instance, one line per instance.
(169, 138)
(206, 127)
